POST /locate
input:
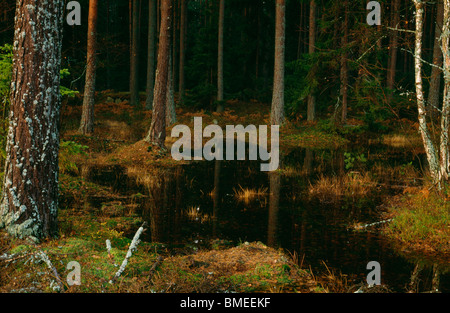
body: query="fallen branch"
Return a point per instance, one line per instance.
(131, 249)
(44, 257)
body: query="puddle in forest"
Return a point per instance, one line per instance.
(197, 202)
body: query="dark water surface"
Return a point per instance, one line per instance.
(196, 203)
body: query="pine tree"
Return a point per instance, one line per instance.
(87, 117)
(277, 113)
(157, 132)
(30, 191)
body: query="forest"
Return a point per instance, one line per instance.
(135, 139)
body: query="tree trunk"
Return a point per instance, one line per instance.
(87, 117)
(445, 46)
(157, 132)
(220, 58)
(134, 66)
(29, 204)
(183, 25)
(430, 149)
(151, 54)
(171, 116)
(344, 67)
(435, 80)
(393, 48)
(311, 108)
(277, 113)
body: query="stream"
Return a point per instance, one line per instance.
(196, 203)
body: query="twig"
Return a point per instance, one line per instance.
(401, 30)
(154, 266)
(131, 249)
(44, 257)
(422, 60)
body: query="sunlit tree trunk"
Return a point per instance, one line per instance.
(277, 113)
(445, 46)
(430, 150)
(157, 132)
(311, 106)
(29, 203)
(87, 117)
(151, 54)
(220, 58)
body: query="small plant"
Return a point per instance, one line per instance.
(68, 150)
(351, 159)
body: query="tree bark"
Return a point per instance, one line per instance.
(277, 113)
(183, 25)
(311, 107)
(445, 46)
(220, 58)
(435, 80)
(151, 54)
(344, 67)
(157, 132)
(134, 66)
(430, 149)
(87, 117)
(171, 116)
(393, 47)
(29, 204)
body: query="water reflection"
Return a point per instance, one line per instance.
(197, 203)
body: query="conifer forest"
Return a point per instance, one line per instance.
(212, 147)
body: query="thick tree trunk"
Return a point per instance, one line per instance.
(151, 54)
(277, 113)
(220, 58)
(183, 25)
(435, 80)
(87, 117)
(134, 66)
(30, 190)
(311, 106)
(430, 150)
(393, 47)
(157, 133)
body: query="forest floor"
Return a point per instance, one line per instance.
(155, 267)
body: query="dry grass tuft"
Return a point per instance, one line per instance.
(247, 195)
(332, 189)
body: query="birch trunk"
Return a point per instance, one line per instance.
(444, 154)
(430, 149)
